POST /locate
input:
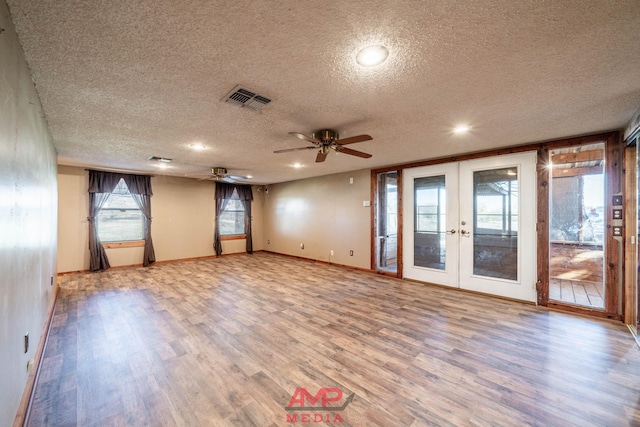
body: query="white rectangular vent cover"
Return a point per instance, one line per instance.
(246, 98)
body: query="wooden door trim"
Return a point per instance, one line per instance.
(613, 170)
(629, 307)
(542, 284)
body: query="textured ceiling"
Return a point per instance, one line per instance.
(121, 81)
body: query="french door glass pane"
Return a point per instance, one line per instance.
(430, 222)
(495, 224)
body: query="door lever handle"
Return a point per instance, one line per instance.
(452, 231)
(465, 233)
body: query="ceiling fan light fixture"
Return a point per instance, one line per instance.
(371, 56)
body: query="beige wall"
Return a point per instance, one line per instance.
(325, 213)
(183, 212)
(27, 219)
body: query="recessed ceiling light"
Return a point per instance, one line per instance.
(461, 129)
(160, 165)
(249, 176)
(371, 56)
(297, 165)
(197, 146)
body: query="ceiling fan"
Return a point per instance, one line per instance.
(220, 174)
(327, 139)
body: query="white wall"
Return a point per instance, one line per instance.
(325, 213)
(183, 212)
(28, 229)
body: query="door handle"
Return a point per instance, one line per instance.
(465, 233)
(452, 231)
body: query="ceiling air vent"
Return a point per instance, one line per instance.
(246, 98)
(160, 159)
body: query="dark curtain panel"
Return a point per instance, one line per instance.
(247, 224)
(144, 203)
(246, 196)
(138, 184)
(224, 192)
(140, 189)
(101, 184)
(244, 192)
(97, 256)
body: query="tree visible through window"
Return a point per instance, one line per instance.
(232, 218)
(120, 219)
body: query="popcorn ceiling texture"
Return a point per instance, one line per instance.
(121, 81)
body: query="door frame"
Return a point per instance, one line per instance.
(613, 268)
(613, 172)
(459, 183)
(374, 219)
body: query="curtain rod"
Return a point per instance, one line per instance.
(119, 171)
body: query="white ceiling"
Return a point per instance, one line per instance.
(121, 81)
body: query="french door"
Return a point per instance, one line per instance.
(471, 225)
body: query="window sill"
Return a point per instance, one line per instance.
(233, 237)
(132, 244)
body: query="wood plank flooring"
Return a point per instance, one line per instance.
(228, 341)
(581, 292)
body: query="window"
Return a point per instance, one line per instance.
(430, 204)
(496, 201)
(232, 218)
(120, 219)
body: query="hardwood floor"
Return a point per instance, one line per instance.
(229, 341)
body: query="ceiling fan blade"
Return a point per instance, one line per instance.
(227, 179)
(345, 150)
(354, 139)
(305, 137)
(295, 149)
(321, 156)
(237, 177)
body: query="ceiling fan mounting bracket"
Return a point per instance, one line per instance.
(219, 171)
(326, 136)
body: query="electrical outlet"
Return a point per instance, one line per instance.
(301, 245)
(331, 253)
(268, 242)
(351, 253)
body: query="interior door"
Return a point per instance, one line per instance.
(471, 225)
